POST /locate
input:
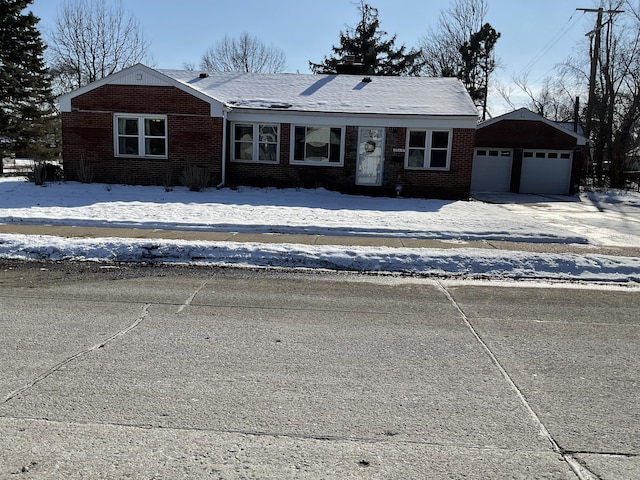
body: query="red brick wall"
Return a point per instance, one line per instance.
(293, 176)
(141, 99)
(194, 138)
(454, 183)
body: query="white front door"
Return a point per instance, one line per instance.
(370, 156)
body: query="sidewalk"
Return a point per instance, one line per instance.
(278, 238)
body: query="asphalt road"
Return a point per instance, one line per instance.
(165, 373)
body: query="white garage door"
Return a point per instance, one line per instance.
(491, 170)
(546, 172)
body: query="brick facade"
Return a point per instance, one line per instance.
(195, 138)
(454, 183)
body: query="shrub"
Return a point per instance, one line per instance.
(167, 181)
(43, 171)
(85, 171)
(195, 178)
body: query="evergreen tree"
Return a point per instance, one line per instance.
(478, 63)
(366, 44)
(26, 102)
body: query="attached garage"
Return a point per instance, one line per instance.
(491, 170)
(524, 152)
(546, 172)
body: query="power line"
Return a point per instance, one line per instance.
(550, 44)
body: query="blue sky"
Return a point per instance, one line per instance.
(535, 35)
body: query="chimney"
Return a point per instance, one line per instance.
(349, 66)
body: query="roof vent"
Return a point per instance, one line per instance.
(204, 75)
(366, 79)
(280, 105)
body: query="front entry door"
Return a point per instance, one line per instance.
(370, 156)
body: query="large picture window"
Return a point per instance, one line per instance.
(428, 149)
(255, 142)
(140, 136)
(321, 145)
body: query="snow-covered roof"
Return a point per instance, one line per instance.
(356, 94)
(340, 94)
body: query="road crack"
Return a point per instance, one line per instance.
(191, 297)
(55, 368)
(581, 471)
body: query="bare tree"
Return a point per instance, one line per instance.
(462, 45)
(553, 99)
(243, 54)
(91, 40)
(616, 110)
(441, 46)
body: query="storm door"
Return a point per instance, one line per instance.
(370, 156)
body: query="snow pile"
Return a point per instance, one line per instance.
(590, 220)
(462, 262)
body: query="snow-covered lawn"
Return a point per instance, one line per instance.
(588, 220)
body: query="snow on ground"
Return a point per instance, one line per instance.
(589, 220)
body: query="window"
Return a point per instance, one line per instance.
(493, 153)
(428, 149)
(565, 155)
(140, 136)
(255, 142)
(322, 145)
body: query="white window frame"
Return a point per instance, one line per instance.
(426, 160)
(323, 163)
(256, 143)
(142, 150)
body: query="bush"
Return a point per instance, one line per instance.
(43, 171)
(85, 171)
(167, 181)
(195, 178)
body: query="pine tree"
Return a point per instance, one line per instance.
(26, 102)
(478, 63)
(366, 44)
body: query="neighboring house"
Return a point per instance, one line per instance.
(523, 152)
(355, 134)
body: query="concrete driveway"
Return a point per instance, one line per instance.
(200, 373)
(604, 223)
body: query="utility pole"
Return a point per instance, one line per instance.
(596, 34)
(595, 56)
